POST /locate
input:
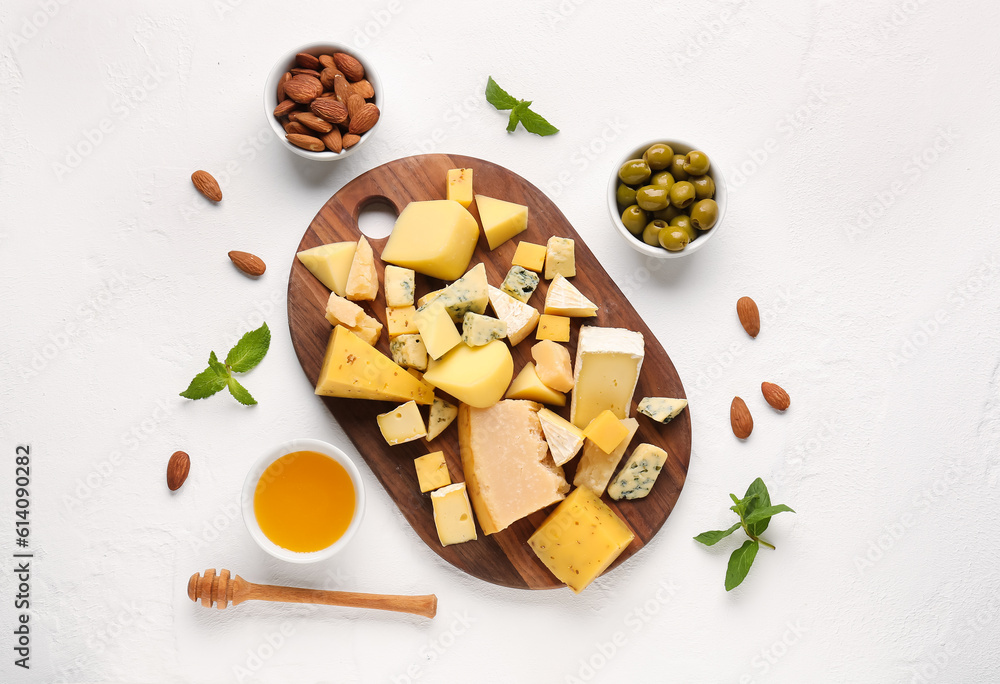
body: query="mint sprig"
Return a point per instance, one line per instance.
(244, 356)
(755, 512)
(519, 110)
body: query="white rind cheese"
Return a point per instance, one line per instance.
(638, 475)
(564, 439)
(662, 409)
(607, 367)
(521, 318)
(563, 299)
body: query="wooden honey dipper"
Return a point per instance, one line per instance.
(224, 588)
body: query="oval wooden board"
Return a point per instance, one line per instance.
(503, 558)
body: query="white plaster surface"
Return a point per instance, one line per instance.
(864, 225)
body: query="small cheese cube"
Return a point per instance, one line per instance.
(460, 186)
(606, 431)
(501, 220)
(362, 280)
(527, 385)
(402, 424)
(520, 283)
(553, 365)
(399, 286)
(662, 409)
(453, 514)
(560, 258)
(638, 475)
(594, 469)
(432, 471)
(530, 256)
(555, 328)
(468, 293)
(437, 329)
(443, 414)
(400, 321)
(340, 311)
(409, 352)
(478, 330)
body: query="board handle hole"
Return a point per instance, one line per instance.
(376, 219)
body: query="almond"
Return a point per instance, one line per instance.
(333, 141)
(775, 396)
(354, 104)
(351, 67)
(303, 89)
(310, 120)
(305, 72)
(281, 86)
(364, 89)
(341, 87)
(297, 128)
(329, 109)
(350, 140)
(207, 185)
(307, 61)
(248, 263)
(364, 120)
(327, 75)
(306, 142)
(326, 61)
(284, 108)
(746, 309)
(739, 416)
(177, 470)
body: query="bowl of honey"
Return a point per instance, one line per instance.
(303, 501)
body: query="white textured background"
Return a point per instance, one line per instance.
(860, 143)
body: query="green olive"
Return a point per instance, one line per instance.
(658, 156)
(651, 234)
(635, 219)
(626, 195)
(676, 168)
(667, 214)
(634, 172)
(662, 178)
(704, 187)
(696, 163)
(673, 239)
(652, 197)
(681, 194)
(683, 222)
(704, 214)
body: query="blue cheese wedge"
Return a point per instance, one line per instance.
(468, 293)
(409, 351)
(399, 286)
(478, 329)
(520, 283)
(637, 476)
(442, 415)
(662, 409)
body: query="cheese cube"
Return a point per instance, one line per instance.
(553, 365)
(520, 318)
(432, 471)
(437, 329)
(595, 467)
(478, 330)
(442, 415)
(563, 299)
(662, 409)
(362, 280)
(331, 264)
(527, 385)
(340, 311)
(638, 475)
(409, 352)
(400, 321)
(520, 283)
(608, 361)
(580, 539)
(402, 424)
(501, 220)
(606, 431)
(564, 439)
(477, 376)
(369, 330)
(436, 238)
(530, 256)
(555, 328)
(460, 186)
(560, 258)
(400, 284)
(468, 293)
(453, 514)
(428, 298)
(353, 369)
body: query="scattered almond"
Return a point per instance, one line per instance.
(207, 185)
(303, 89)
(775, 396)
(249, 263)
(306, 142)
(307, 61)
(177, 470)
(739, 416)
(746, 309)
(349, 65)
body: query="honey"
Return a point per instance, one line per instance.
(304, 501)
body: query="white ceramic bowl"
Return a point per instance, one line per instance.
(250, 486)
(287, 62)
(637, 244)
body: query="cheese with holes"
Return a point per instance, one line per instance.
(442, 415)
(563, 299)
(606, 431)
(608, 361)
(595, 467)
(436, 329)
(460, 186)
(475, 375)
(432, 471)
(436, 238)
(520, 318)
(560, 258)
(564, 439)
(520, 283)
(555, 328)
(341, 311)
(638, 475)
(409, 352)
(553, 365)
(402, 424)
(400, 321)
(506, 463)
(501, 220)
(527, 385)
(580, 539)
(331, 264)
(662, 409)
(478, 330)
(354, 369)
(453, 514)
(362, 280)
(530, 256)
(466, 294)
(400, 284)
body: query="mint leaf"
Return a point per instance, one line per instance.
(742, 504)
(535, 123)
(512, 121)
(240, 393)
(498, 97)
(739, 564)
(250, 350)
(713, 536)
(759, 489)
(763, 515)
(217, 366)
(205, 384)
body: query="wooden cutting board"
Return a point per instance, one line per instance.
(503, 558)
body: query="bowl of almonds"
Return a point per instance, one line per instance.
(323, 101)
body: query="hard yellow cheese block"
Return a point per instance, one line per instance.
(354, 369)
(606, 431)
(530, 256)
(436, 329)
(362, 279)
(402, 424)
(476, 376)
(607, 369)
(460, 186)
(432, 471)
(555, 328)
(501, 220)
(331, 264)
(553, 365)
(560, 258)
(506, 463)
(580, 539)
(453, 514)
(436, 238)
(400, 321)
(527, 385)
(596, 467)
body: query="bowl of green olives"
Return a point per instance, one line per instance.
(667, 199)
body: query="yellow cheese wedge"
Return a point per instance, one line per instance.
(501, 220)
(362, 280)
(476, 376)
(527, 385)
(506, 463)
(460, 186)
(607, 369)
(520, 318)
(453, 514)
(563, 299)
(436, 329)
(530, 256)
(606, 431)
(432, 471)
(553, 365)
(580, 539)
(400, 321)
(402, 424)
(436, 238)
(354, 369)
(331, 264)
(596, 467)
(555, 328)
